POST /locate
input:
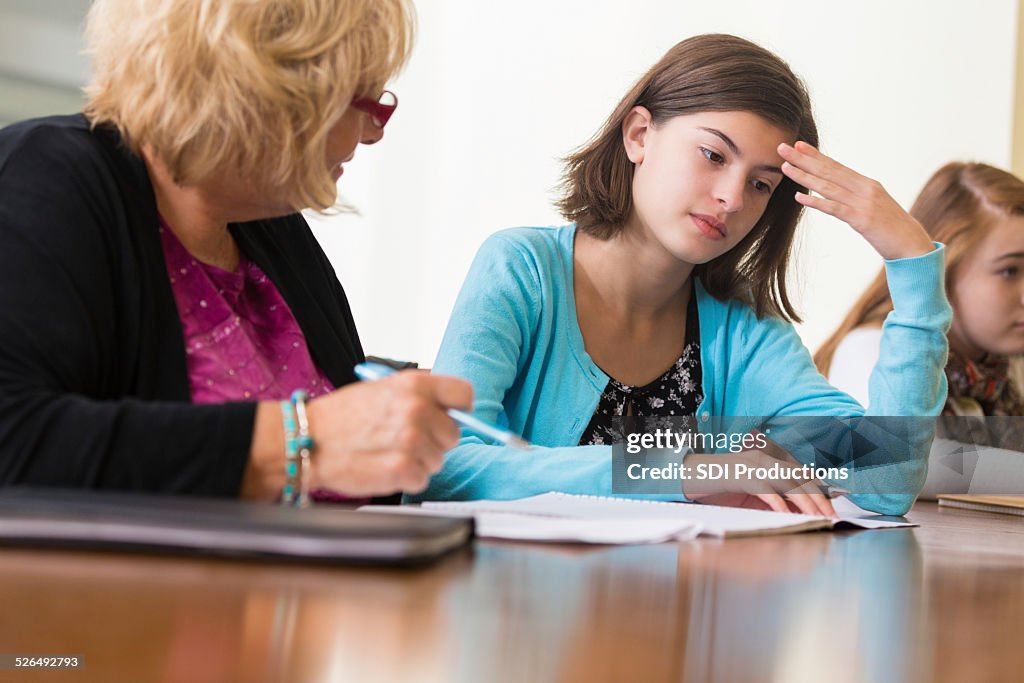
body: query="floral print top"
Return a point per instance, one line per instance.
(677, 393)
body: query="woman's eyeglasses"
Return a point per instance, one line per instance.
(380, 110)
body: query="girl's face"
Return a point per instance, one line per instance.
(702, 181)
(987, 294)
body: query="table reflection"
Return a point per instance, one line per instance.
(942, 602)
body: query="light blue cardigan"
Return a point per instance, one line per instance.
(513, 334)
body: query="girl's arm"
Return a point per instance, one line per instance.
(907, 387)
(953, 466)
(492, 330)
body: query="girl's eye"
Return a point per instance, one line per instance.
(712, 156)
(762, 187)
(1009, 272)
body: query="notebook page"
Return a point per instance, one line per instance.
(855, 515)
(580, 530)
(714, 520)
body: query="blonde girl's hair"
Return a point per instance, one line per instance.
(711, 72)
(957, 206)
(245, 87)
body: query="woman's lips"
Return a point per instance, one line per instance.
(709, 226)
(339, 168)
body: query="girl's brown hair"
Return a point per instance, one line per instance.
(957, 206)
(712, 72)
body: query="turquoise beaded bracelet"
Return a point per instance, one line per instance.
(298, 447)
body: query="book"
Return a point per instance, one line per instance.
(597, 512)
(65, 518)
(1007, 505)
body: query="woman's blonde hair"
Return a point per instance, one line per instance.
(244, 87)
(957, 206)
(711, 72)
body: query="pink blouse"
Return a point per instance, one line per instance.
(242, 342)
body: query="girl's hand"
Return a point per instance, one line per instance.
(780, 495)
(860, 202)
(770, 501)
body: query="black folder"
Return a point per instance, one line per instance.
(74, 518)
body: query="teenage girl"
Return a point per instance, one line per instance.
(667, 296)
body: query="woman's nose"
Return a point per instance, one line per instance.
(370, 133)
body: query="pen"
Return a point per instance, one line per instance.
(372, 371)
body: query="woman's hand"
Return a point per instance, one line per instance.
(371, 438)
(860, 202)
(781, 495)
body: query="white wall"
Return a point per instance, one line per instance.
(41, 68)
(497, 92)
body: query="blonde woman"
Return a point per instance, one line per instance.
(161, 298)
(977, 211)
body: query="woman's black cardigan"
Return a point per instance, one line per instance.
(94, 389)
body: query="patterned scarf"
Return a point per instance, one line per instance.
(980, 387)
(979, 390)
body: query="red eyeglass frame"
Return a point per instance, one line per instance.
(379, 113)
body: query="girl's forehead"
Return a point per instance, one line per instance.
(739, 130)
(1004, 237)
(739, 120)
(1008, 230)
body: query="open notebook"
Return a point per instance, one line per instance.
(598, 519)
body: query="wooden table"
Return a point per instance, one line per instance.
(941, 602)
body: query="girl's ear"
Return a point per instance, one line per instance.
(634, 133)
